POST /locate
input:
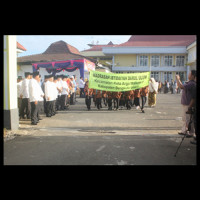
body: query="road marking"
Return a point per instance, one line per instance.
(132, 148)
(100, 148)
(122, 162)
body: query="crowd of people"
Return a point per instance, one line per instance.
(55, 93)
(169, 87)
(119, 100)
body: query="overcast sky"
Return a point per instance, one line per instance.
(36, 44)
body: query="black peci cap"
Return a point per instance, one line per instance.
(27, 74)
(35, 74)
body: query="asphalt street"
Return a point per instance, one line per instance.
(81, 137)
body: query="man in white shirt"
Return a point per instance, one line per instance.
(49, 95)
(35, 94)
(59, 88)
(55, 92)
(43, 89)
(81, 86)
(40, 100)
(64, 93)
(24, 94)
(72, 96)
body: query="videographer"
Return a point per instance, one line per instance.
(188, 90)
(192, 111)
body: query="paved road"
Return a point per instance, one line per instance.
(81, 137)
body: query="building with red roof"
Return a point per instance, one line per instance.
(163, 55)
(57, 51)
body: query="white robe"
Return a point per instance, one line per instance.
(153, 86)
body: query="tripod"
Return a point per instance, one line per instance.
(189, 128)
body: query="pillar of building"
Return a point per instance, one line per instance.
(11, 116)
(113, 62)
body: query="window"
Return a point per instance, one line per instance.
(143, 61)
(155, 75)
(181, 74)
(168, 76)
(168, 61)
(155, 61)
(180, 60)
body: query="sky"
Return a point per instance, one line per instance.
(36, 44)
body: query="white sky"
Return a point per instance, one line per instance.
(36, 44)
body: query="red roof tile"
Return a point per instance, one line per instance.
(61, 47)
(56, 51)
(159, 40)
(19, 46)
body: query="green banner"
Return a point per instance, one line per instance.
(118, 82)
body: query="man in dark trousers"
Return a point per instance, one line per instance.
(144, 92)
(88, 95)
(24, 94)
(116, 97)
(49, 96)
(98, 99)
(35, 94)
(187, 96)
(110, 97)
